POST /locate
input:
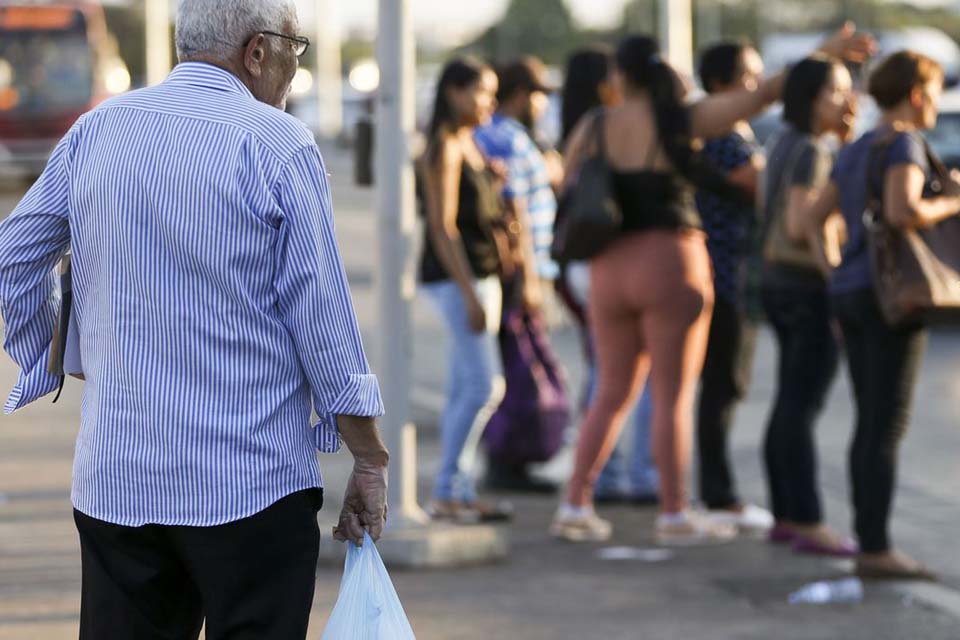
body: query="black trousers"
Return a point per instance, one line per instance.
(725, 380)
(251, 579)
(884, 365)
(808, 364)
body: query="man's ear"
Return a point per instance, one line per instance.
(254, 54)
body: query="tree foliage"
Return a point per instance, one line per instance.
(545, 28)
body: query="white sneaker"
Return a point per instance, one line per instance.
(580, 524)
(750, 520)
(691, 529)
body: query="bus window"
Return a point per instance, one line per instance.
(42, 69)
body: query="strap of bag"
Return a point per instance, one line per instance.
(788, 169)
(780, 192)
(936, 164)
(876, 170)
(875, 174)
(599, 134)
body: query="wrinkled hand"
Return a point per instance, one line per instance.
(364, 504)
(848, 44)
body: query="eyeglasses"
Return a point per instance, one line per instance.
(302, 42)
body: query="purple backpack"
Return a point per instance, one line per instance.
(530, 423)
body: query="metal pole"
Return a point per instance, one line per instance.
(709, 23)
(328, 78)
(396, 284)
(157, 26)
(676, 33)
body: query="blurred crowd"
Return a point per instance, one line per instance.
(670, 234)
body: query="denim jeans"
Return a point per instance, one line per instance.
(808, 363)
(641, 477)
(474, 387)
(884, 366)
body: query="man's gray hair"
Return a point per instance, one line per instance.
(217, 28)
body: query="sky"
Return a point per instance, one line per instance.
(450, 22)
(453, 20)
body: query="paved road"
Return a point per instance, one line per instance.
(547, 590)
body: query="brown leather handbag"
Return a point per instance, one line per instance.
(916, 272)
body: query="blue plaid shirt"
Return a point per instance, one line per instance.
(527, 179)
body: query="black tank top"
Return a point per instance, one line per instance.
(655, 200)
(650, 199)
(478, 210)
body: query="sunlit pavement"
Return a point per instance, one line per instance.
(547, 589)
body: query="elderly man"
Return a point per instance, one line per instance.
(212, 307)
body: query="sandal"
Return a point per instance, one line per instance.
(893, 566)
(490, 512)
(694, 529)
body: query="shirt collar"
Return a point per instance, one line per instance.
(202, 74)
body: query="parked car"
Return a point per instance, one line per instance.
(945, 137)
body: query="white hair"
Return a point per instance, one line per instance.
(217, 28)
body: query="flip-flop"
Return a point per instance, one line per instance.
(491, 512)
(802, 544)
(921, 573)
(780, 534)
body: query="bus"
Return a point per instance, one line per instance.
(57, 61)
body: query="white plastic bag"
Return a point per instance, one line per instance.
(368, 607)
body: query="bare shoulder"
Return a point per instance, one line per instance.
(581, 138)
(449, 153)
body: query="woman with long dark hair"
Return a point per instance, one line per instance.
(459, 271)
(651, 289)
(892, 163)
(588, 84)
(818, 101)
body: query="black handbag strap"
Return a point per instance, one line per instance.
(599, 134)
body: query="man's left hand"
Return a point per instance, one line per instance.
(364, 504)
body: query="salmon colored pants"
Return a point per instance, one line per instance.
(651, 296)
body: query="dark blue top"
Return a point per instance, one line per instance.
(728, 225)
(850, 176)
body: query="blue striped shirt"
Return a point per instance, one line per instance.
(212, 303)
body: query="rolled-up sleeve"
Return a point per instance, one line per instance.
(315, 303)
(32, 240)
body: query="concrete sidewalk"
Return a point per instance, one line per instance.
(547, 589)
